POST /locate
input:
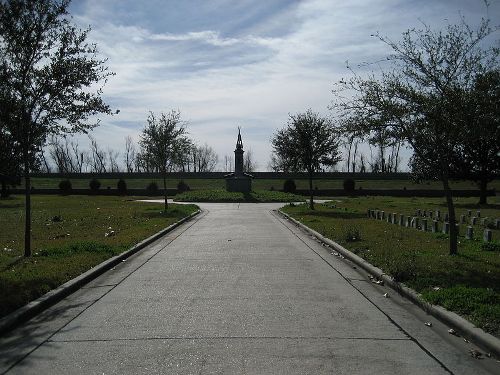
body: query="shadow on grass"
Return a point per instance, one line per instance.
(492, 206)
(336, 214)
(5, 205)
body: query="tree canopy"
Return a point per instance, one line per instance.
(50, 79)
(421, 98)
(164, 144)
(309, 142)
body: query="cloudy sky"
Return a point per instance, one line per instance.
(248, 63)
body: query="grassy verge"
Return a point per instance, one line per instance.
(70, 235)
(468, 283)
(258, 196)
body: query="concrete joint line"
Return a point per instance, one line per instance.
(35, 307)
(488, 342)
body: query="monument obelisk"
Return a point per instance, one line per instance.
(239, 181)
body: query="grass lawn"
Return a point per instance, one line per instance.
(468, 283)
(258, 196)
(68, 238)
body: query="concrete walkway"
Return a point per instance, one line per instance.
(236, 291)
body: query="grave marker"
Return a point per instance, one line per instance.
(487, 235)
(446, 228)
(434, 227)
(470, 233)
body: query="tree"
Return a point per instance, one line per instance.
(129, 155)
(482, 135)
(204, 158)
(308, 142)
(162, 143)
(249, 163)
(66, 155)
(420, 98)
(9, 162)
(49, 75)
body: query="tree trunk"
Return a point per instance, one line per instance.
(451, 216)
(311, 199)
(165, 189)
(483, 186)
(4, 193)
(27, 206)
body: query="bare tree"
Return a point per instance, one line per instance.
(113, 156)
(204, 158)
(97, 157)
(228, 163)
(130, 154)
(249, 163)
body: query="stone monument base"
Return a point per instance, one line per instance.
(241, 184)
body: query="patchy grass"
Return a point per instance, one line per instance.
(258, 196)
(468, 283)
(68, 238)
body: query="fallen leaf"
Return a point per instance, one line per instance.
(475, 353)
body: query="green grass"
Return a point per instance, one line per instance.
(419, 259)
(69, 237)
(259, 184)
(225, 196)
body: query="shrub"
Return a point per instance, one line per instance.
(289, 186)
(349, 185)
(352, 234)
(65, 186)
(94, 185)
(152, 188)
(121, 186)
(182, 187)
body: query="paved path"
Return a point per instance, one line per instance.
(237, 290)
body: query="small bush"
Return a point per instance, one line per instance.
(121, 186)
(182, 187)
(349, 185)
(65, 186)
(94, 185)
(289, 186)
(352, 234)
(152, 188)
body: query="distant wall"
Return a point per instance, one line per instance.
(317, 192)
(220, 175)
(112, 192)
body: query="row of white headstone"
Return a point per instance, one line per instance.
(421, 223)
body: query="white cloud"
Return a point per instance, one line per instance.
(252, 75)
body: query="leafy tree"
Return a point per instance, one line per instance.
(163, 143)
(482, 135)
(420, 99)
(307, 143)
(9, 162)
(48, 80)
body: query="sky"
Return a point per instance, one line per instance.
(248, 63)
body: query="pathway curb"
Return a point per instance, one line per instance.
(33, 308)
(463, 327)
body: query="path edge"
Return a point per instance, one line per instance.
(463, 327)
(28, 311)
